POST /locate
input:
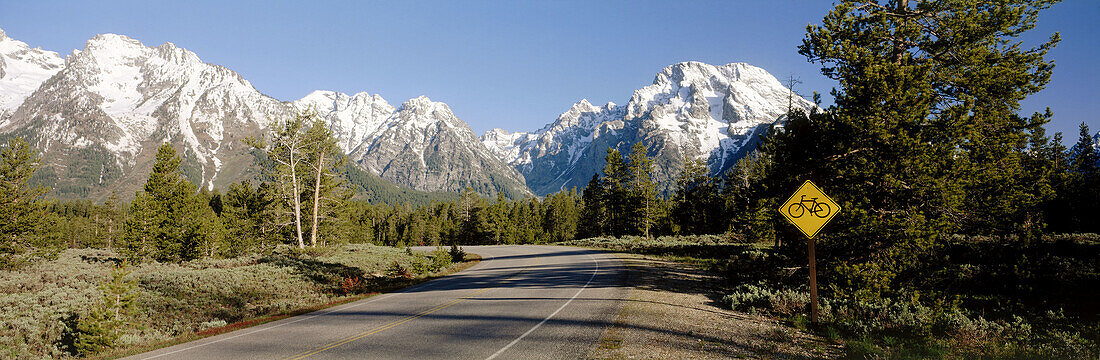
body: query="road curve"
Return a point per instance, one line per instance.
(520, 302)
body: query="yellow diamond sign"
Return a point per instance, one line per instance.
(809, 209)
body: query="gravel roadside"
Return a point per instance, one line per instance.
(672, 314)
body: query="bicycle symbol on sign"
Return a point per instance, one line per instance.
(815, 208)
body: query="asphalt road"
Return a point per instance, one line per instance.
(520, 302)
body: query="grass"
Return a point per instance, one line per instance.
(178, 303)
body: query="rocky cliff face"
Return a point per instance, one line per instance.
(421, 144)
(692, 110)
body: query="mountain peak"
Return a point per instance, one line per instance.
(111, 41)
(22, 70)
(424, 105)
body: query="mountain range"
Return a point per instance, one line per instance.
(98, 114)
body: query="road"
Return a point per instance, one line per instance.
(519, 302)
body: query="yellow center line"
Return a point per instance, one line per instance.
(389, 325)
(399, 322)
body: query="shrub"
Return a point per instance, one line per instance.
(398, 271)
(457, 254)
(60, 308)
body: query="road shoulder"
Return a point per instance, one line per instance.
(671, 313)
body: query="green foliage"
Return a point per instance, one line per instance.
(624, 201)
(697, 207)
(457, 254)
(249, 217)
(696, 246)
(49, 305)
(168, 220)
(20, 204)
(426, 265)
(594, 220)
(100, 328)
(301, 164)
(1076, 204)
(924, 139)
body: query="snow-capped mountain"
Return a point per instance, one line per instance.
(99, 119)
(22, 70)
(421, 144)
(98, 115)
(692, 110)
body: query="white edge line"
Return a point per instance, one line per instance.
(304, 317)
(532, 329)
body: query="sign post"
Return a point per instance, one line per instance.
(809, 209)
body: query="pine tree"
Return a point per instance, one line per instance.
(100, 328)
(642, 190)
(247, 214)
(616, 194)
(168, 220)
(593, 218)
(696, 205)
(1082, 190)
(20, 202)
(925, 112)
(1083, 156)
(561, 214)
(471, 219)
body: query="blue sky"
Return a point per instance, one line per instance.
(509, 64)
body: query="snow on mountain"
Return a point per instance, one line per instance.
(22, 70)
(98, 116)
(421, 143)
(117, 98)
(692, 109)
(99, 119)
(354, 119)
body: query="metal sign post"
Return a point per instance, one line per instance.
(813, 283)
(809, 209)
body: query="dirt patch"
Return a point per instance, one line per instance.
(672, 313)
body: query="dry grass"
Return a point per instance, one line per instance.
(681, 301)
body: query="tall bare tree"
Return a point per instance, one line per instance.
(287, 151)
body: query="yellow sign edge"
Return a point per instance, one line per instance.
(785, 216)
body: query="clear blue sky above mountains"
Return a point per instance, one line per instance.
(509, 64)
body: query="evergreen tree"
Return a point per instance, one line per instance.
(926, 109)
(561, 215)
(750, 198)
(20, 202)
(168, 221)
(642, 193)
(1080, 193)
(1083, 156)
(593, 218)
(248, 214)
(100, 328)
(616, 194)
(472, 221)
(696, 204)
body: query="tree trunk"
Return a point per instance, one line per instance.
(297, 202)
(646, 217)
(316, 200)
